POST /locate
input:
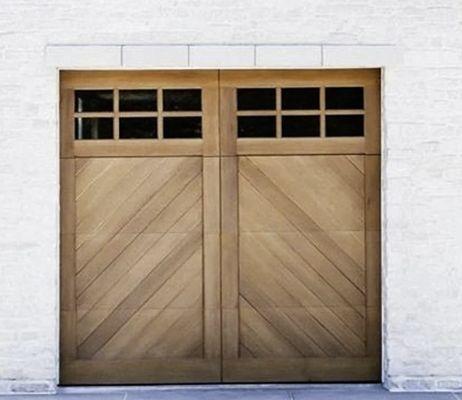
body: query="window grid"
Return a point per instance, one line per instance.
(323, 112)
(116, 114)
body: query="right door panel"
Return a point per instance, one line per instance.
(302, 307)
(300, 243)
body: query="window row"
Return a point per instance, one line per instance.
(177, 113)
(300, 98)
(138, 128)
(300, 126)
(138, 100)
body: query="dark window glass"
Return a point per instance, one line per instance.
(300, 99)
(93, 100)
(344, 98)
(138, 100)
(256, 99)
(344, 125)
(256, 127)
(182, 100)
(93, 128)
(182, 127)
(138, 128)
(300, 126)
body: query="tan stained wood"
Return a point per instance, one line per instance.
(373, 252)
(141, 371)
(68, 317)
(369, 79)
(220, 259)
(142, 283)
(207, 81)
(138, 148)
(301, 370)
(212, 255)
(295, 146)
(306, 291)
(66, 123)
(229, 257)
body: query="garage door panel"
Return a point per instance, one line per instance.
(302, 219)
(343, 280)
(141, 293)
(139, 284)
(302, 291)
(312, 193)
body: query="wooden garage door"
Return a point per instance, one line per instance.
(219, 226)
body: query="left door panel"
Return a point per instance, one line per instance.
(140, 264)
(137, 312)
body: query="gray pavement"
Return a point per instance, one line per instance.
(241, 392)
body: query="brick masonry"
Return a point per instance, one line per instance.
(419, 44)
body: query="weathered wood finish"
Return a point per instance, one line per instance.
(220, 259)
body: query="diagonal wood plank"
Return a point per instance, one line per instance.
(309, 182)
(270, 269)
(259, 335)
(137, 214)
(310, 278)
(140, 295)
(171, 219)
(131, 215)
(181, 291)
(298, 218)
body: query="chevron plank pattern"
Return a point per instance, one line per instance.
(139, 267)
(302, 257)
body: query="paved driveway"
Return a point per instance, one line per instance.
(240, 392)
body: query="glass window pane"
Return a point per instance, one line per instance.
(138, 128)
(93, 100)
(300, 126)
(182, 127)
(344, 98)
(344, 125)
(182, 100)
(300, 99)
(138, 100)
(256, 99)
(93, 128)
(256, 127)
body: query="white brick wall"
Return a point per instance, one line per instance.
(418, 41)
